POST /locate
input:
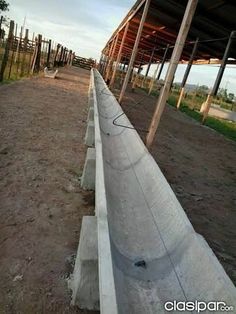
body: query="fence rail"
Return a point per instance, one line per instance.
(23, 55)
(84, 62)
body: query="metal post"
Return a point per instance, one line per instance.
(206, 106)
(179, 45)
(134, 51)
(186, 74)
(119, 54)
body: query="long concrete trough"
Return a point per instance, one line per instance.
(148, 251)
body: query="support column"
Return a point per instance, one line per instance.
(134, 51)
(163, 62)
(100, 63)
(138, 72)
(108, 57)
(179, 45)
(110, 64)
(103, 63)
(206, 106)
(119, 54)
(186, 74)
(153, 80)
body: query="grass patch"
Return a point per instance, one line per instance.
(227, 128)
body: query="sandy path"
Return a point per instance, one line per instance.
(42, 124)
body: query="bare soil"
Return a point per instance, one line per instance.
(42, 124)
(200, 166)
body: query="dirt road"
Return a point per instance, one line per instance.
(42, 153)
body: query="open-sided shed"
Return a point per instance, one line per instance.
(174, 31)
(212, 23)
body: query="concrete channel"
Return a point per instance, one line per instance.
(148, 251)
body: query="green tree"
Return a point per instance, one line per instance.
(4, 6)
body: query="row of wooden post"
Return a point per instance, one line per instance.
(41, 51)
(189, 13)
(107, 60)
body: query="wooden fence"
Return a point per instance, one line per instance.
(22, 55)
(84, 63)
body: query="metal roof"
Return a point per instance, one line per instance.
(212, 24)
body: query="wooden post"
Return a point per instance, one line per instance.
(56, 55)
(119, 54)
(100, 66)
(69, 57)
(7, 50)
(61, 56)
(13, 52)
(134, 51)
(1, 20)
(153, 79)
(31, 49)
(100, 63)
(138, 72)
(107, 53)
(163, 62)
(18, 52)
(49, 53)
(206, 106)
(186, 74)
(150, 61)
(109, 58)
(110, 65)
(179, 45)
(72, 58)
(38, 56)
(24, 52)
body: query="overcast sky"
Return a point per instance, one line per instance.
(85, 26)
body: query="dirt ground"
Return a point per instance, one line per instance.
(200, 165)
(42, 124)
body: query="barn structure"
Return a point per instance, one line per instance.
(160, 31)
